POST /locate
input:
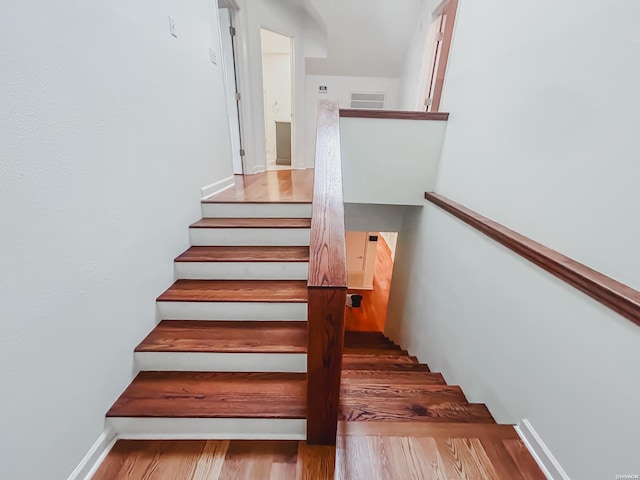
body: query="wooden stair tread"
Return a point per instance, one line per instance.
(386, 366)
(350, 358)
(373, 349)
(415, 410)
(428, 429)
(294, 291)
(245, 254)
(226, 337)
(213, 395)
(354, 393)
(377, 377)
(252, 223)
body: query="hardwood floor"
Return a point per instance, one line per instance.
(372, 315)
(377, 452)
(283, 186)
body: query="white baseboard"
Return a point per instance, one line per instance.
(217, 187)
(94, 457)
(540, 452)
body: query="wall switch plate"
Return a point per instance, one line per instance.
(214, 56)
(172, 27)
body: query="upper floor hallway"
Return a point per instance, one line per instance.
(113, 129)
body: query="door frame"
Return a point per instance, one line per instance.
(232, 87)
(292, 74)
(439, 56)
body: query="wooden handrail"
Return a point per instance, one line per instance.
(394, 114)
(617, 296)
(327, 286)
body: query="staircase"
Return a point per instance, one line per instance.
(228, 357)
(387, 395)
(382, 383)
(228, 360)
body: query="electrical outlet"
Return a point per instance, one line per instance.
(172, 27)
(214, 56)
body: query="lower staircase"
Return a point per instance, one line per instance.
(381, 382)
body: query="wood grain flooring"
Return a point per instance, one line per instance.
(281, 186)
(245, 254)
(291, 291)
(442, 452)
(213, 395)
(226, 336)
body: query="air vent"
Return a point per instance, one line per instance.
(368, 100)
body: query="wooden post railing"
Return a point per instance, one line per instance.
(327, 287)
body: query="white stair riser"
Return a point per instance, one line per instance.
(242, 270)
(221, 362)
(256, 210)
(208, 428)
(232, 311)
(250, 237)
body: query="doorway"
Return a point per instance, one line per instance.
(439, 38)
(277, 81)
(370, 257)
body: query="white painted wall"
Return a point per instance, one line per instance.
(390, 161)
(376, 218)
(542, 138)
(391, 238)
(340, 88)
(109, 128)
(416, 64)
(277, 90)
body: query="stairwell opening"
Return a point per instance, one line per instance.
(369, 267)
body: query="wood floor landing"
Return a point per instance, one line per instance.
(365, 451)
(282, 186)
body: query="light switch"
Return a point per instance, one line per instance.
(172, 27)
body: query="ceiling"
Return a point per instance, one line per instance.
(364, 37)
